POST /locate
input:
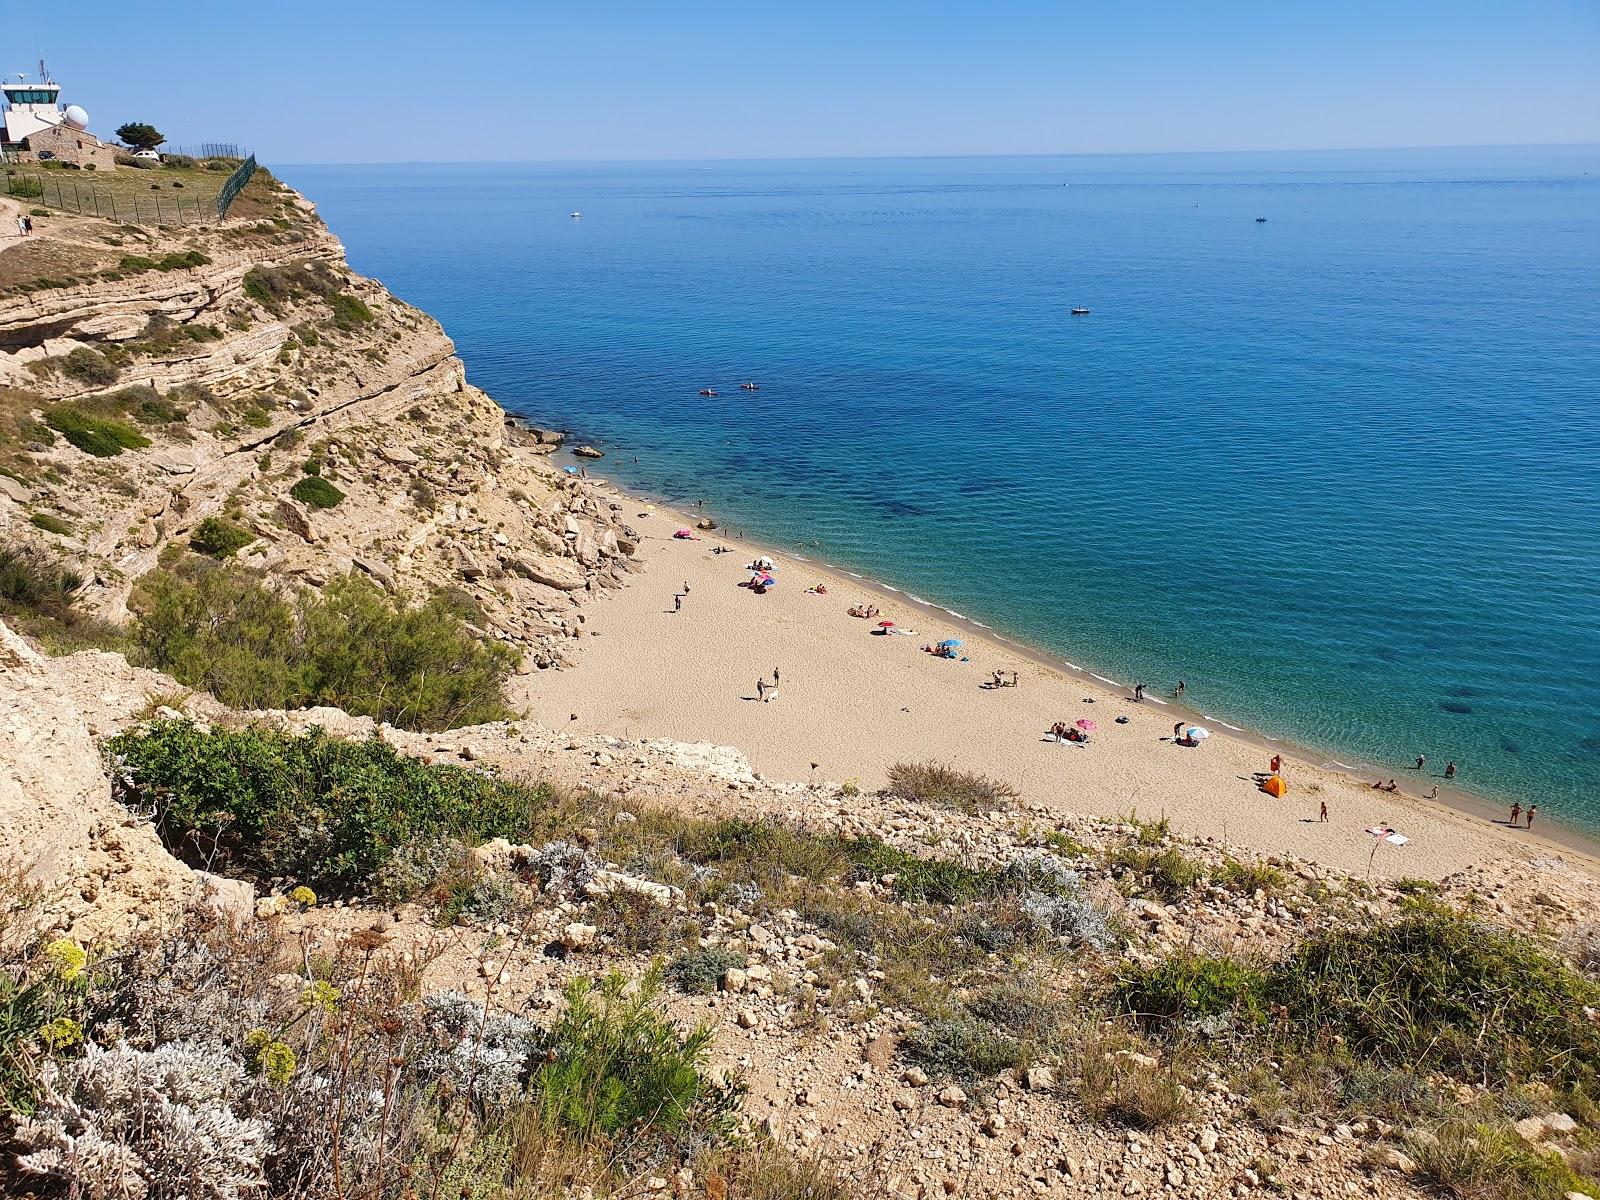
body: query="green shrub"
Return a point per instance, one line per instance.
(617, 1071)
(1436, 990)
(699, 972)
(218, 537)
(946, 787)
(316, 492)
(24, 187)
(103, 437)
(90, 366)
(349, 311)
(49, 523)
(324, 812)
(222, 630)
(1189, 985)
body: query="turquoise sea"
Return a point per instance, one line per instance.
(1339, 470)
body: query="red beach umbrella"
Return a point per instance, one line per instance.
(1086, 725)
(885, 624)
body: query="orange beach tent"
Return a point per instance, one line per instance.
(1275, 786)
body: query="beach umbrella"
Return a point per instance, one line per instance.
(951, 642)
(885, 624)
(1197, 733)
(1086, 725)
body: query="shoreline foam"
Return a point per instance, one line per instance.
(1456, 815)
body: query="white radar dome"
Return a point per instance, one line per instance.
(76, 117)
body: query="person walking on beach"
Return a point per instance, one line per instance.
(1516, 811)
(761, 689)
(22, 226)
(1532, 808)
(1277, 764)
(1450, 770)
(1322, 813)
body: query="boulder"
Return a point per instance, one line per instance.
(557, 573)
(589, 452)
(398, 455)
(296, 520)
(14, 490)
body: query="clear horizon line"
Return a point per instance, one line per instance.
(559, 162)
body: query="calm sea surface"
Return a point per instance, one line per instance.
(1339, 470)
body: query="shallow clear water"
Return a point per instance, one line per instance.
(1340, 470)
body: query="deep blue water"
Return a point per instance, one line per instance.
(1340, 470)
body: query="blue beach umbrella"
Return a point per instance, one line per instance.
(951, 642)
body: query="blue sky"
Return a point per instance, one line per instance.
(355, 81)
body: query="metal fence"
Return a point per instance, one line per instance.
(76, 192)
(206, 150)
(234, 185)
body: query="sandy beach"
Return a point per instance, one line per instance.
(852, 702)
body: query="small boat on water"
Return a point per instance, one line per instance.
(575, 215)
(708, 391)
(1080, 312)
(750, 386)
(1261, 220)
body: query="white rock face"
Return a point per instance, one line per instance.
(104, 871)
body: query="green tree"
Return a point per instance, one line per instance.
(140, 136)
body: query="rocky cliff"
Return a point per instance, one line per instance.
(169, 378)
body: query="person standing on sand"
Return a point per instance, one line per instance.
(1434, 795)
(1516, 811)
(1277, 764)
(677, 602)
(774, 676)
(685, 587)
(761, 689)
(1177, 730)
(1322, 814)
(1450, 770)
(1532, 808)
(22, 226)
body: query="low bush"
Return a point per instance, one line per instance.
(89, 366)
(1167, 873)
(1118, 1080)
(966, 1047)
(325, 812)
(220, 628)
(1480, 1161)
(103, 437)
(349, 311)
(315, 492)
(1433, 989)
(1190, 985)
(938, 880)
(699, 972)
(49, 523)
(618, 1071)
(1250, 877)
(219, 537)
(946, 787)
(38, 596)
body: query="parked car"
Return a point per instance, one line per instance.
(147, 154)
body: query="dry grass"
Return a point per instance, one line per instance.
(946, 787)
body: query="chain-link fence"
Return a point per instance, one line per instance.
(76, 192)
